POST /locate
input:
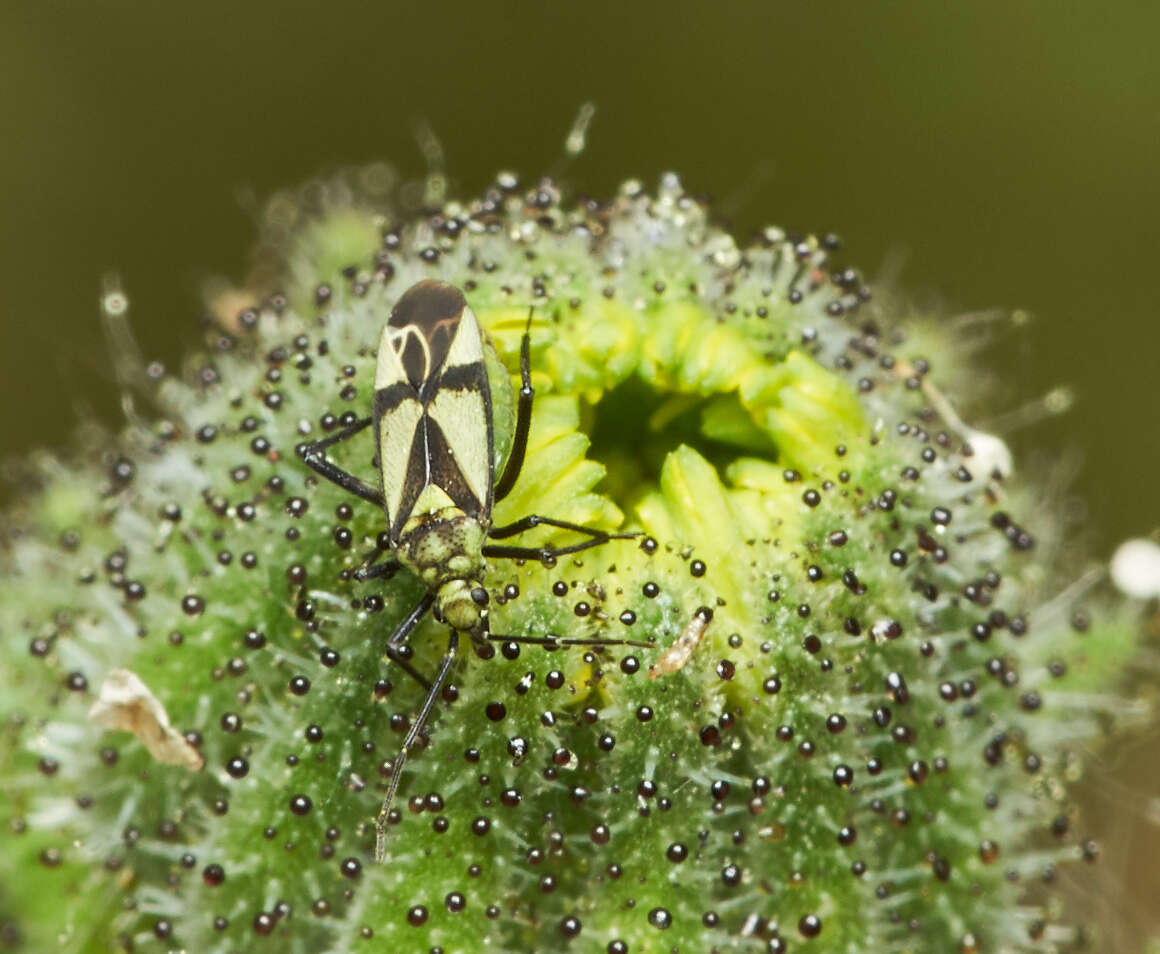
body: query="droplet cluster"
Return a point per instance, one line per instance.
(851, 692)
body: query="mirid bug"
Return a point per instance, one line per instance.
(435, 441)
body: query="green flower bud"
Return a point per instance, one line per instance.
(853, 724)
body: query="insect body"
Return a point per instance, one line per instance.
(434, 432)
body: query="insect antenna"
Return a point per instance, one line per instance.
(555, 642)
(409, 742)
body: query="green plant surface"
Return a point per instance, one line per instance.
(869, 750)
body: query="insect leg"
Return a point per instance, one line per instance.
(546, 554)
(386, 569)
(535, 520)
(413, 734)
(515, 461)
(398, 639)
(313, 454)
(369, 570)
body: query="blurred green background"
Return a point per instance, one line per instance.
(990, 155)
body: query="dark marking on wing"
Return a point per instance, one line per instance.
(445, 471)
(390, 397)
(434, 309)
(465, 377)
(433, 463)
(461, 377)
(427, 318)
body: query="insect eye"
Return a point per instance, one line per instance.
(479, 596)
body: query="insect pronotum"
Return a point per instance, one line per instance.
(435, 442)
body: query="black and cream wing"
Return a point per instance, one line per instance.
(432, 408)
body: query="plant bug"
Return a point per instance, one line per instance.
(435, 443)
